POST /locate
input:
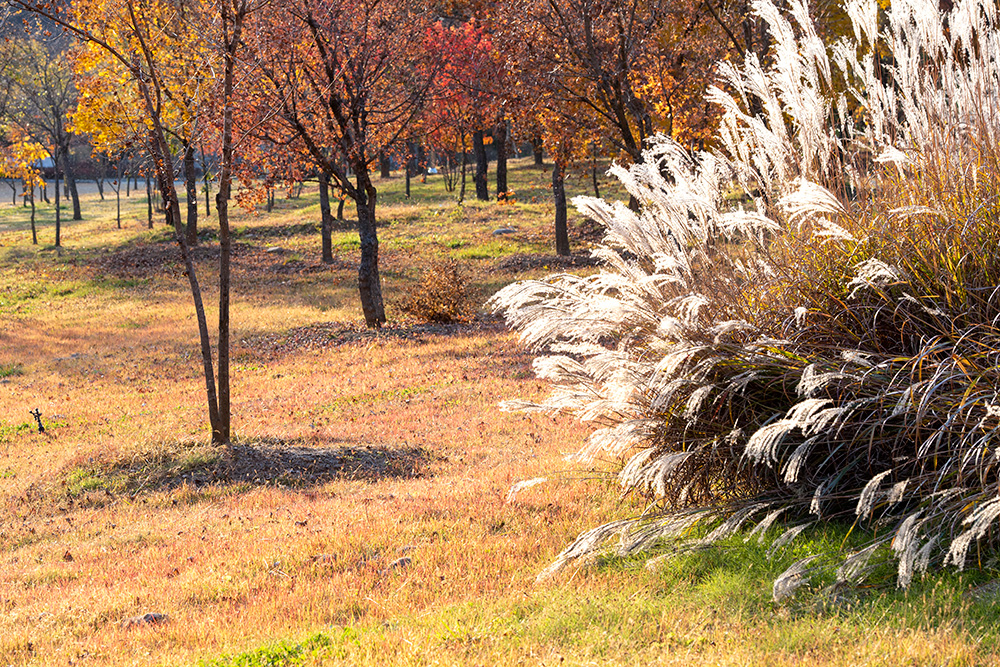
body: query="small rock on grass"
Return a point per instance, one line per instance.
(323, 558)
(152, 618)
(399, 563)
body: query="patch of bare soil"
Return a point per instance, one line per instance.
(525, 262)
(148, 260)
(274, 461)
(261, 461)
(335, 334)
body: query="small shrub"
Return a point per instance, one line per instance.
(442, 295)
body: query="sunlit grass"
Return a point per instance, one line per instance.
(114, 511)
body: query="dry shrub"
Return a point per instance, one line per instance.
(830, 354)
(442, 295)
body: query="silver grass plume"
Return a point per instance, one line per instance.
(827, 346)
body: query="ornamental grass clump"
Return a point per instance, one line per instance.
(802, 325)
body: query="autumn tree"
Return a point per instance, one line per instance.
(346, 78)
(42, 93)
(461, 108)
(111, 112)
(20, 156)
(122, 29)
(628, 68)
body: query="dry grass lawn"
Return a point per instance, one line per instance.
(367, 493)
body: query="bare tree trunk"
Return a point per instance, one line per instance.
(500, 140)
(536, 150)
(479, 150)
(369, 282)
(231, 43)
(34, 232)
(58, 218)
(422, 162)
(340, 207)
(191, 187)
(118, 193)
(205, 179)
(559, 196)
(149, 202)
(384, 166)
(160, 152)
(70, 181)
(326, 220)
(465, 161)
(593, 172)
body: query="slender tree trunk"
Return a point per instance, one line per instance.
(340, 207)
(536, 150)
(449, 177)
(45, 192)
(58, 214)
(422, 162)
(231, 42)
(165, 178)
(369, 283)
(479, 150)
(326, 220)
(149, 202)
(500, 140)
(70, 180)
(13, 198)
(593, 172)
(128, 185)
(412, 166)
(191, 188)
(100, 186)
(384, 165)
(34, 232)
(205, 179)
(465, 162)
(559, 197)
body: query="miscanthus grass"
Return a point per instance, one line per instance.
(826, 350)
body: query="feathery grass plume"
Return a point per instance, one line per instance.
(833, 348)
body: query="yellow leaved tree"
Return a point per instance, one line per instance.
(110, 110)
(20, 158)
(175, 60)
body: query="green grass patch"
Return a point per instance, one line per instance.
(11, 370)
(289, 654)
(487, 250)
(696, 602)
(372, 397)
(148, 468)
(8, 431)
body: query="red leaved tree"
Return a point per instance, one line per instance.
(345, 78)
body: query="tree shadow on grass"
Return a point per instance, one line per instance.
(251, 462)
(324, 335)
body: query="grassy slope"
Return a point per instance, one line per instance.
(121, 509)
